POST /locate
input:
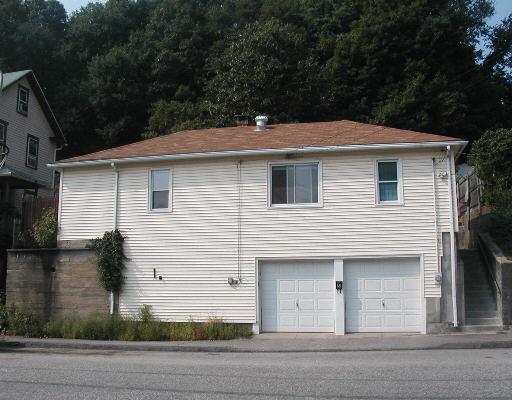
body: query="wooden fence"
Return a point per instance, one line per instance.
(33, 207)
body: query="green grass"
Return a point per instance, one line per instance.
(19, 322)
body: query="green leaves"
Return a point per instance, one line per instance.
(491, 157)
(45, 229)
(110, 260)
(123, 70)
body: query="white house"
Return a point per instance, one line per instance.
(314, 227)
(29, 137)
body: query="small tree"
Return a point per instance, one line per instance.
(491, 156)
(45, 229)
(110, 260)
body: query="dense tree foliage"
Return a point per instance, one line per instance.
(491, 158)
(126, 69)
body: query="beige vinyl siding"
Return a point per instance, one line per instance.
(87, 204)
(194, 247)
(35, 124)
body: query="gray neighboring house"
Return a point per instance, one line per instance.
(29, 138)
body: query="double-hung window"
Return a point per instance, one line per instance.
(160, 190)
(3, 135)
(32, 152)
(22, 106)
(388, 181)
(295, 183)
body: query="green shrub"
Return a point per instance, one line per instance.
(20, 322)
(215, 329)
(44, 231)
(110, 260)
(144, 327)
(183, 331)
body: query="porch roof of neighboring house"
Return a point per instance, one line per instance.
(276, 139)
(16, 179)
(10, 78)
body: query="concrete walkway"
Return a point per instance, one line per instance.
(283, 342)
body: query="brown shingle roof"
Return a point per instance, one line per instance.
(315, 134)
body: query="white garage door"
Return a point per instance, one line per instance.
(382, 295)
(297, 296)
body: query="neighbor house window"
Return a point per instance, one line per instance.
(32, 151)
(388, 181)
(22, 106)
(160, 189)
(3, 134)
(294, 184)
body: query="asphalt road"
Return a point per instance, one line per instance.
(453, 374)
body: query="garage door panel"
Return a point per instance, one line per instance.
(287, 321)
(382, 295)
(287, 305)
(373, 321)
(307, 305)
(411, 284)
(287, 286)
(325, 305)
(412, 304)
(325, 286)
(373, 285)
(391, 285)
(372, 304)
(393, 321)
(393, 304)
(302, 299)
(307, 286)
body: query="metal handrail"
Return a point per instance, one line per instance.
(486, 259)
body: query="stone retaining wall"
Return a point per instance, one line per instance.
(55, 283)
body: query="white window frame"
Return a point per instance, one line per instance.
(36, 139)
(150, 191)
(399, 188)
(19, 102)
(294, 205)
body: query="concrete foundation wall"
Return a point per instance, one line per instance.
(55, 283)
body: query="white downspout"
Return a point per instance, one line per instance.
(116, 185)
(453, 256)
(435, 212)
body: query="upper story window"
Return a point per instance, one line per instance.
(294, 184)
(160, 190)
(22, 106)
(3, 133)
(388, 181)
(32, 151)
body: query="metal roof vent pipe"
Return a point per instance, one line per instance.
(261, 122)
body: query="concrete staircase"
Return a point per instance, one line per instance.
(480, 302)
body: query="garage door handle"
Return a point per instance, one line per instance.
(297, 304)
(383, 304)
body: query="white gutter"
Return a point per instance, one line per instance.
(116, 191)
(453, 255)
(259, 152)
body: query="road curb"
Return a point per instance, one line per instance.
(13, 344)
